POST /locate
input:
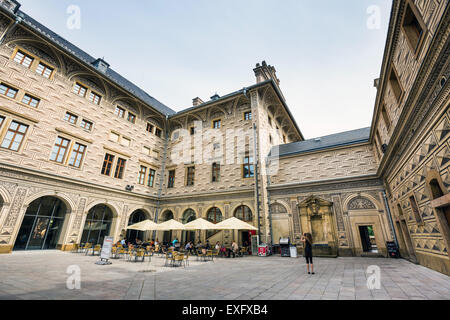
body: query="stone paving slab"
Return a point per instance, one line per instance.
(43, 275)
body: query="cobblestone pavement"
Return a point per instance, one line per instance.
(42, 275)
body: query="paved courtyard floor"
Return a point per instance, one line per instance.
(43, 275)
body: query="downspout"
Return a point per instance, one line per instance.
(391, 222)
(268, 204)
(256, 180)
(163, 169)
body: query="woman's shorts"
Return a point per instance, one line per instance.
(309, 259)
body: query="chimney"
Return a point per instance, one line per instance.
(265, 72)
(197, 101)
(101, 65)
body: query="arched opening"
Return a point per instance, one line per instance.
(214, 215)
(1, 203)
(188, 216)
(243, 213)
(167, 236)
(132, 235)
(41, 227)
(98, 224)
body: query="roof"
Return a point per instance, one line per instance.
(334, 140)
(88, 59)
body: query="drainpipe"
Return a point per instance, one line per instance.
(391, 222)
(161, 179)
(256, 180)
(268, 204)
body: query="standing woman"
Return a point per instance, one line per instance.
(307, 239)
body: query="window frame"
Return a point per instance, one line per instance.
(171, 179)
(214, 121)
(248, 165)
(30, 101)
(106, 171)
(71, 115)
(215, 168)
(95, 95)
(15, 133)
(86, 121)
(122, 110)
(8, 89)
(190, 176)
(151, 178)
(421, 38)
(132, 116)
(248, 118)
(120, 168)
(60, 146)
(45, 68)
(25, 55)
(77, 153)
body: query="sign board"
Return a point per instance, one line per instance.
(106, 249)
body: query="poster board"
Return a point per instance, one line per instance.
(106, 249)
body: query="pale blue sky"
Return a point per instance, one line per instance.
(325, 55)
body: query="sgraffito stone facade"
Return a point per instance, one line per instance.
(76, 135)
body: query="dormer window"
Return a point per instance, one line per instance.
(23, 59)
(150, 127)
(44, 70)
(79, 90)
(247, 115)
(158, 132)
(94, 98)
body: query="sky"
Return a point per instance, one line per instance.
(327, 53)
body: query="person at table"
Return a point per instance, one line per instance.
(138, 242)
(207, 245)
(217, 247)
(189, 247)
(234, 248)
(177, 245)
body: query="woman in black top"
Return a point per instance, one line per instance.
(307, 239)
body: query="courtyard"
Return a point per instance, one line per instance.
(43, 275)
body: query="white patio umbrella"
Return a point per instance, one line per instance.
(146, 225)
(200, 224)
(170, 225)
(234, 224)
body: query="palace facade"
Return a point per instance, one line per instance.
(84, 152)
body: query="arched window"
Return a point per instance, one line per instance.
(98, 224)
(136, 216)
(277, 208)
(214, 215)
(243, 213)
(167, 235)
(42, 224)
(188, 216)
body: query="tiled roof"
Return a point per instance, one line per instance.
(326, 142)
(88, 59)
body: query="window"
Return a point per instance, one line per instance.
(114, 137)
(107, 164)
(44, 70)
(94, 98)
(120, 167)
(215, 172)
(79, 90)
(243, 213)
(158, 132)
(8, 91)
(142, 173)
(156, 154)
(415, 208)
(192, 131)
(87, 125)
(217, 124)
(31, 101)
(59, 150)
(131, 117)
(150, 127)
(386, 119)
(71, 118)
(248, 167)
(248, 115)
(77, 155)
(14, 136)
(171, 179)
(412, 28)
(23, 59)
(190, 175)
(120, 112)
(395, 85)
(151, 178)
(125, 142)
